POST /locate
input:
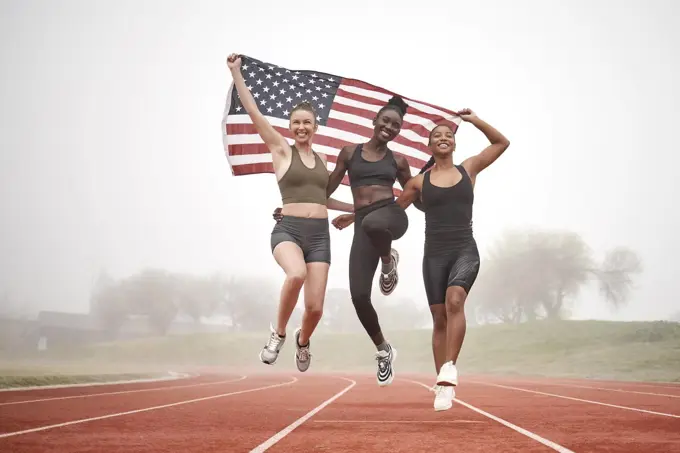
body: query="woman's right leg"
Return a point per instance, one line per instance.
(290, 257)
(363, 262)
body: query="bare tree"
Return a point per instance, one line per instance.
(535, 274)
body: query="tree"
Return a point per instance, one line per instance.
(535, 274)
(154, 294)
(200, 297)
(250, 303)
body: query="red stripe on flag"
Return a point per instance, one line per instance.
(368, 133)
(437, 119)
(356, 111)
(368, 86)
(261, 148)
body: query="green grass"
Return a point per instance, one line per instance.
(589, 349)
(13, 379)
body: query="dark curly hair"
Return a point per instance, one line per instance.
(397, 104)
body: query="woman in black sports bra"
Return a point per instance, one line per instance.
(373, 169)
(450, 259)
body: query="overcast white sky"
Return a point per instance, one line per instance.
(112, 156)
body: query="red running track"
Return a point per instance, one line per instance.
(333, 413)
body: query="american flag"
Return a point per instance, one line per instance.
(345, 109)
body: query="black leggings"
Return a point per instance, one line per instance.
(375, 227)
(452, 268)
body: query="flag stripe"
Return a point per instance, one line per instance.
(374, 105)
(386, 95)
(344, 137)
(426, 119)
(417, 131)
(326, 145)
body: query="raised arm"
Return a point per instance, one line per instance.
(339, 171)
(274, 141)
(404, 176)
(411, 192)
(475, 164)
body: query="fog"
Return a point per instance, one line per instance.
(112, 157)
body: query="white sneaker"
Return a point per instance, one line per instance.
(270, 351)
(303, 357)
(443, 397)
(385, 374)
(388, 281)
(448, 374)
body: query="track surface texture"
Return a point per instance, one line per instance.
(307, 412)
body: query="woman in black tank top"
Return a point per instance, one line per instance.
(450, 259)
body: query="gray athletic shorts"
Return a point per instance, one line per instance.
(311, 235)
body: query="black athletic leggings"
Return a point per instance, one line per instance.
(375, 227)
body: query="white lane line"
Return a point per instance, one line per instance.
(533, 436)
(146, 409)
(172, 376)
(122, 392)
(564, 384)
(287, 430)
(654, 385)
(397, 421)
(555, 395)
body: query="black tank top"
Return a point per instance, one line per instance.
(448, 214)
(362, 172)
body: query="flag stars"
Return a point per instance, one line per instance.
(259, 81)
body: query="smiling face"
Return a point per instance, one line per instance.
(387, 125)
(302, 125)
(442, 141)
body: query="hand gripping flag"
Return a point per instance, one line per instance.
(345, 109)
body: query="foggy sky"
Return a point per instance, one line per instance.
(112, 155)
